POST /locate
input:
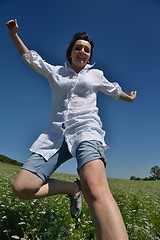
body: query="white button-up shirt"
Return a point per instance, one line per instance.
(74, 105)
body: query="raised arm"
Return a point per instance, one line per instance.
(128, 97)
(13, 32)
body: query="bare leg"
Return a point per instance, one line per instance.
(106, 216)
(28, 185)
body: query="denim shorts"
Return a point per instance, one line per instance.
(86, 151)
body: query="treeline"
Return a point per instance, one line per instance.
(5, 159)
(143, 179)
(155, 175)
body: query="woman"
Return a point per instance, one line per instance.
(75, 130)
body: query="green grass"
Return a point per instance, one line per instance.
(49, 218)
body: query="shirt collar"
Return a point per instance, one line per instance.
(69, 67)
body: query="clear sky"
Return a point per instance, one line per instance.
(127, 48)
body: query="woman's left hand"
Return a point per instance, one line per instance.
(133, 94)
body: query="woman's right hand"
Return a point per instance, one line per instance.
(13, 30)
(12, 26)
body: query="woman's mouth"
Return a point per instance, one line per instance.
(81, 59)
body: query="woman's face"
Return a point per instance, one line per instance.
(80, 54)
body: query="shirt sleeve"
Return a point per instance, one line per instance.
(112, 89)
(35, 61)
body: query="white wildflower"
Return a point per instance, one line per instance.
(15, 237)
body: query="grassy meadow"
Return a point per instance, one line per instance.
(49, 218)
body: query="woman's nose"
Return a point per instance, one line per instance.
(82, 50)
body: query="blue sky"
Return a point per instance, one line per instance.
(127, 48)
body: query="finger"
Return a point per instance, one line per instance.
(11, 23)
(15, 20)
(8, 23)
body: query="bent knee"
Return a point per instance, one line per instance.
(93, 189)
(23, 191)
(19, 190)
(26, 184)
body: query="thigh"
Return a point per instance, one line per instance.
(93, 173)
(94, 180)
(26, 180)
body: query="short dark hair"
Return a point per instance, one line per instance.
(79, 36)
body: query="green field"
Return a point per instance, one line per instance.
(49, 218)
